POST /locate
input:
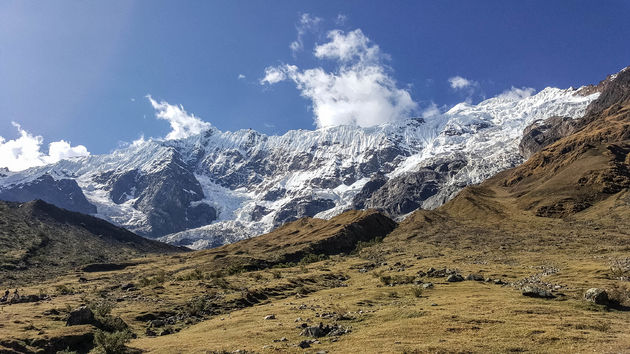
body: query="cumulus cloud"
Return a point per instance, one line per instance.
(182, 124)
(305, 24)
(241, 76)
(273, 75)
(431, 111)
(458, 82)
(359, 91)
(25, 151)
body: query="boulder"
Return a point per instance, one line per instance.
(453, 278)
(81, 316)
(314, 331)
(533, 291)
(475, 277)
(596, 295)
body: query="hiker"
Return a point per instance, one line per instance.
(16, 296)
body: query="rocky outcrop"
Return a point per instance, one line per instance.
(302, 207)
(169, 195)
(375, 183)
(542, 133)
(406, 193)
(64, 193)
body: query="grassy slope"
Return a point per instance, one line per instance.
(39, 240)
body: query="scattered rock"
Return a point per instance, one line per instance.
(475, 277)
(321, 331)
(80, 316)
(128, 287)
(453, 278)
(270, 317)
(438, 273)
(533, 291)
(305, 344)
(427, 286)
(314, 331)
(596, 295)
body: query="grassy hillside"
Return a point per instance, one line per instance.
(39, 241)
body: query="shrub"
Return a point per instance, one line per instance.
(111, 343)
(312, 258)
(284, 265)
(196, 274)
(396, 279)
(157, 279)
(619, 295)
(234, 269)
(276, 274)
(416, 291)
(66, 351)
(64, 289)
(195, 307)
(365, 244)
(101, 308)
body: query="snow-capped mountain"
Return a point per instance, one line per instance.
(218, 187)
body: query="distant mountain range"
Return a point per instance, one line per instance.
(220, 187)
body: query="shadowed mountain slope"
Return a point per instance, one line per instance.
(39, 240)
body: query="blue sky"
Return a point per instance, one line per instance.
(81, 70)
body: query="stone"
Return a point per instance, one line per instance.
(534, 291)
(427, 286)
(270, 317)
(313, 331)
(81, 316)
(596, 295)
(304, 344)
(454, 278)
(475, 277)
(128, 287)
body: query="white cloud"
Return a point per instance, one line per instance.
(458, 82)
(24, 152)
(516, 93)
(305, 24)
(182, 124)
(431, 111)
(273, 75)
(241, 76)
(359, 92)
(140, 141)
(347, 47)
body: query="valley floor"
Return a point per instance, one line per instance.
(375, 298)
